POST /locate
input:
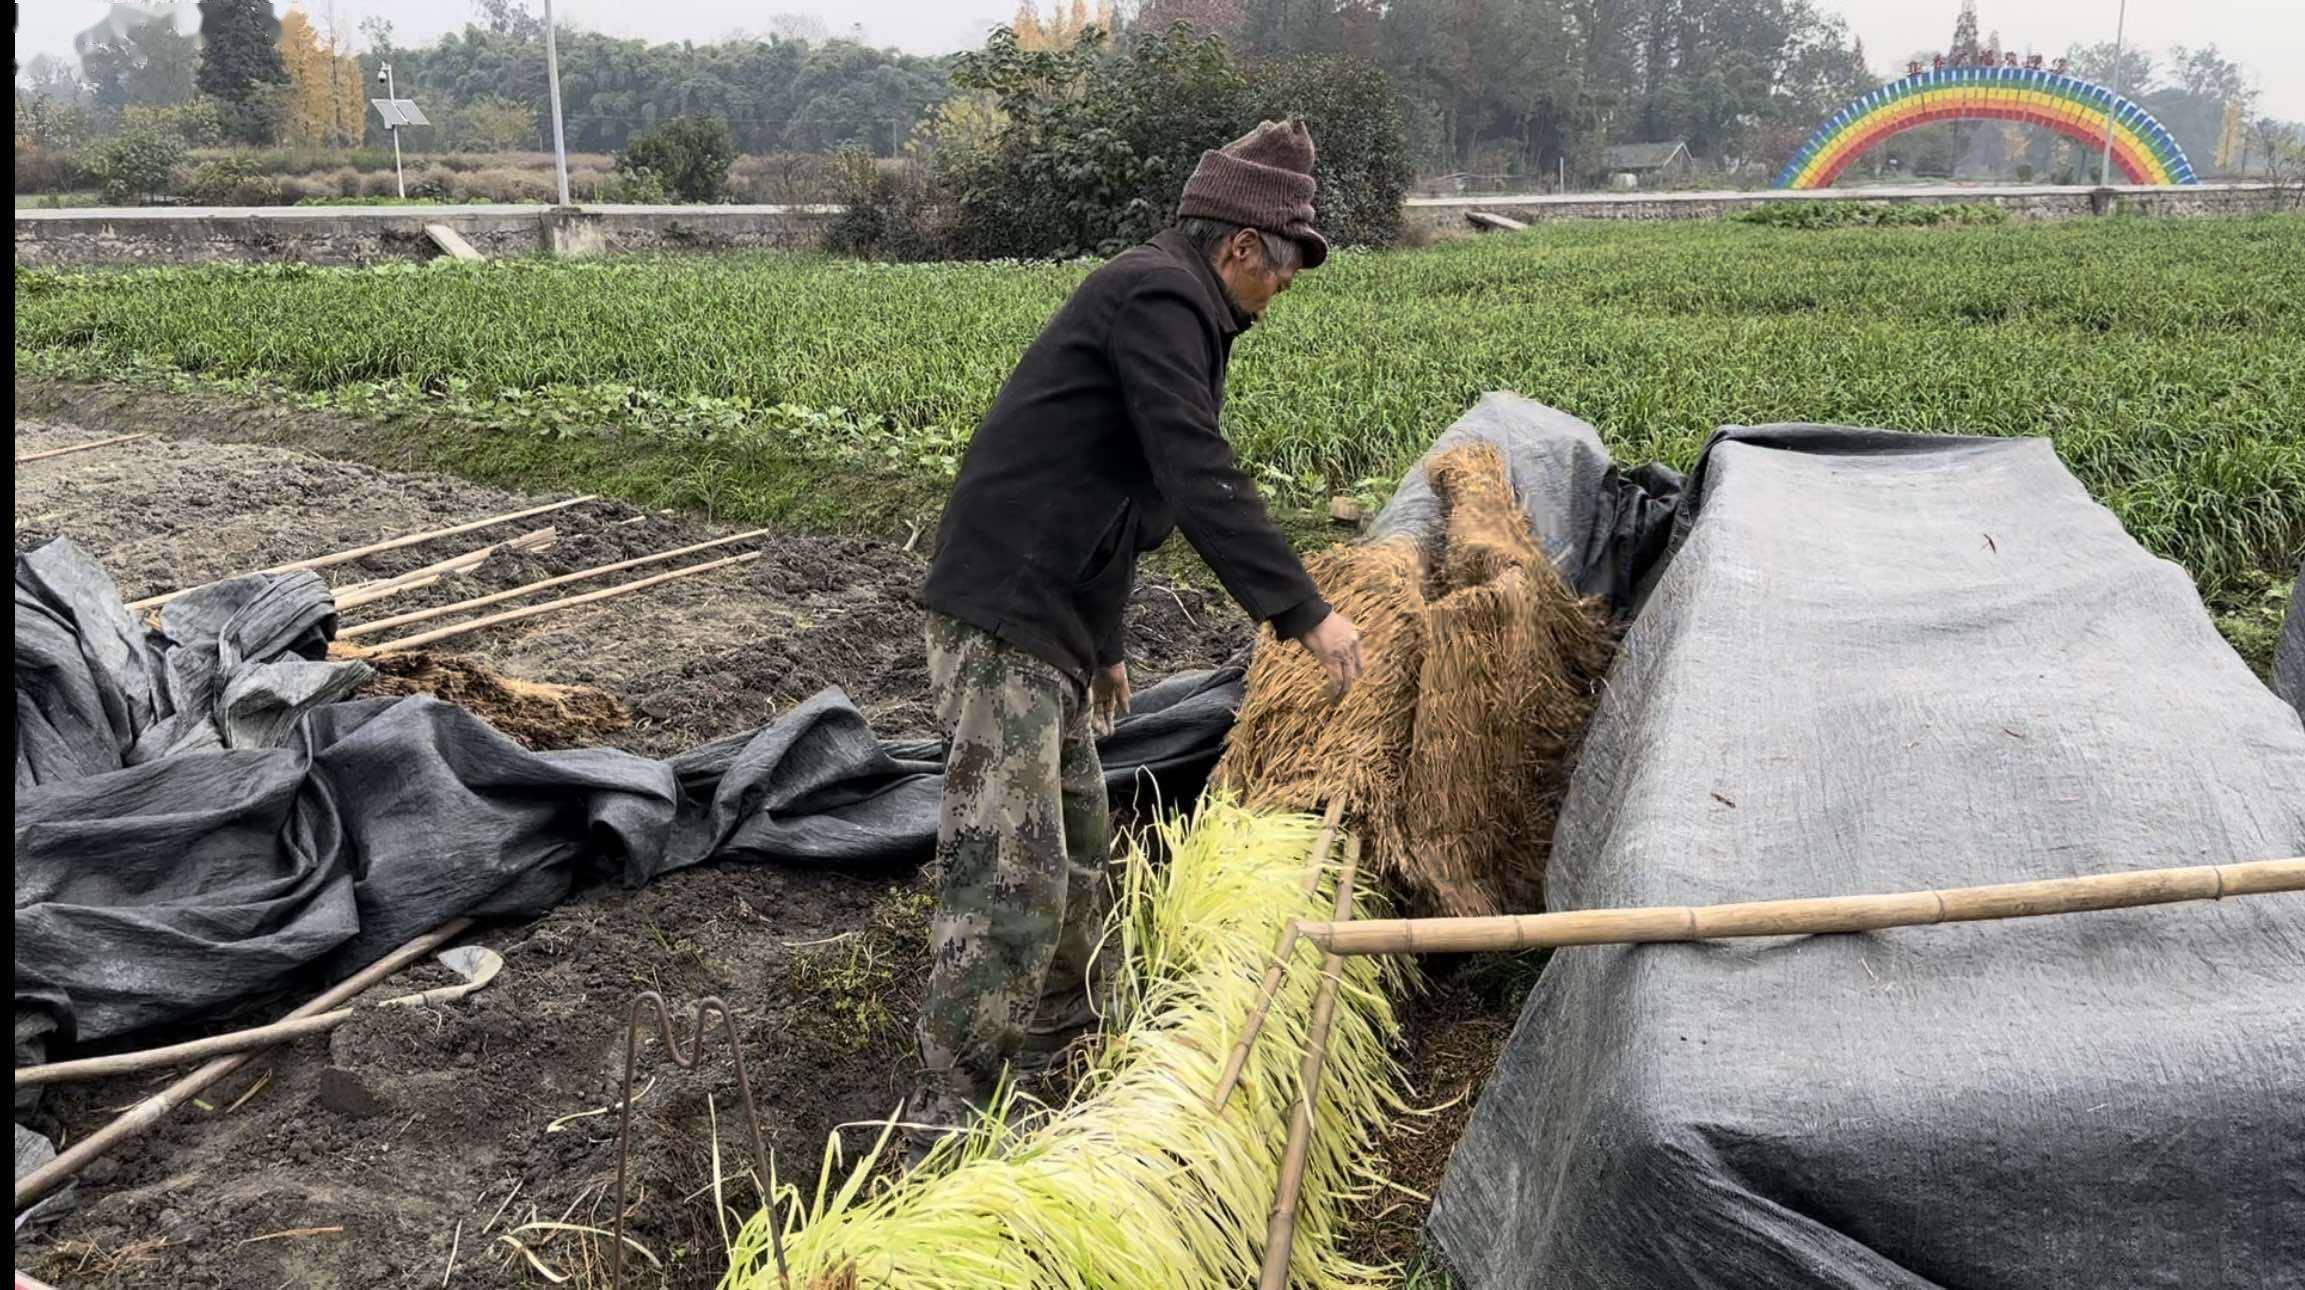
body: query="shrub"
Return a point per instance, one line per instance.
(51, 170)
(135, 164)
(1104, 141)
(888, 212)
(230, 181)
(198, 121)
(1826, 213)
(690, 154)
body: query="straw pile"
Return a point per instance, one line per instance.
(1136, 1183)
(1453, 752)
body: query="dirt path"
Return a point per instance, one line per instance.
(415, 1134)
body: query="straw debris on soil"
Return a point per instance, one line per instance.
(1453, 750)
(540, 714)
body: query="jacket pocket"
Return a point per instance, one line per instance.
(1116, 544)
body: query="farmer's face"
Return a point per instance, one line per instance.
(1251, 277)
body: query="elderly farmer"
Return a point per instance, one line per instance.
(1104, 439)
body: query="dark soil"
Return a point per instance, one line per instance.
(1452, 1032)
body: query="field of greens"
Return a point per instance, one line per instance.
(2166, 359)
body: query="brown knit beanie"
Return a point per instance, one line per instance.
(1263, 179)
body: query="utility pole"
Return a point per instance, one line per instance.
(2105, 167)
(399, 180)
(552, 76)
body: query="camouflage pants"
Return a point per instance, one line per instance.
(1023, 843)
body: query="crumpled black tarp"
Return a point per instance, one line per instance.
(1880, 662)
(233, 664)
(2289, 651)
(184, 885)
(1603, 528)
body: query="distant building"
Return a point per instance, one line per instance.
(1648, 163)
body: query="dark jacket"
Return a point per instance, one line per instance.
(1105, 439)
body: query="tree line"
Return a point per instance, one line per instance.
(1529, 88)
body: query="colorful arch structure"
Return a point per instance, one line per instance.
(2144, 150)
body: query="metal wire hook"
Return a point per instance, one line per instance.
(687, 1061)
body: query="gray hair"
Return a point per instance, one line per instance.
(1208, 236)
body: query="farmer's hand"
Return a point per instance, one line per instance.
(1337, 644)
(1108, 697)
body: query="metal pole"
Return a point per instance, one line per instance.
(552, 76)
(2105, 167)
(399, 180)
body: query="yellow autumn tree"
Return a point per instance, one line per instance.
(351, 91)
(325, 98)
(1062, 28)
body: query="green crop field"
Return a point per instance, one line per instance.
(2166, 359)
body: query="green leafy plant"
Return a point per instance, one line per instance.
(134, 165)
(690, 155)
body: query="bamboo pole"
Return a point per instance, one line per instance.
(1231, 1076)
(365, 593)
(376, 548)
(494, 597)
(141, 1117)
(1808, 917)
(239, 1041)
(79, 447)
(565, 602)
(1281, 1228)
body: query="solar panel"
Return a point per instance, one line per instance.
(399, 112)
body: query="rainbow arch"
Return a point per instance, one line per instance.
(2144, 150)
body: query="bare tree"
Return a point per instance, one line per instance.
(2280, 147)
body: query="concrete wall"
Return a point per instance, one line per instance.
(1443, 215)
(353, 235)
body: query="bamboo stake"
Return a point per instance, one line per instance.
(1231, 1076)
(141, 1117)
(376, 548)
(1809, 917)
(364, 593)
(476, 602)
(79, 447)
(238, 1041)
(1281, 1229)
(565, 602)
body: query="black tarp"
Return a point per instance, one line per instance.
(1879, 662)
(196, 827)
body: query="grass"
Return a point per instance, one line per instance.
(2163, 358)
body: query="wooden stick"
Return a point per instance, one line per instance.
(1231, 1075)
(1281, 1229)
(375, 548)
(239, 1041)
(565, 602)
(442, 611)
(1815, 916)
(141, 1117)
(363, 593)
(79, 447)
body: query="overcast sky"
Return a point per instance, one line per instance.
(2266, 35)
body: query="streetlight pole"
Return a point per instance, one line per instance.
(2105, 166)
(399, 180)
(552, 75)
